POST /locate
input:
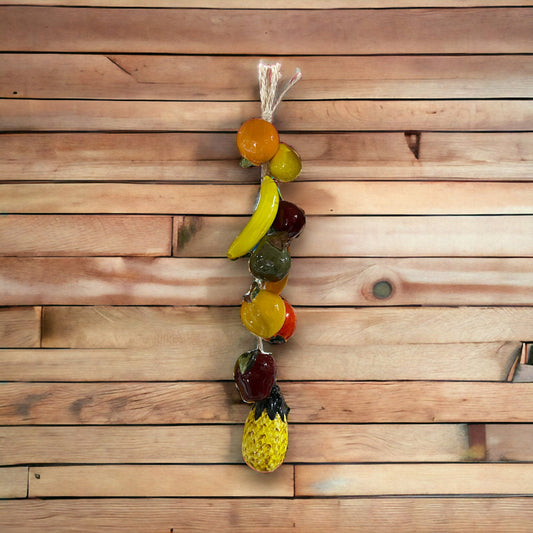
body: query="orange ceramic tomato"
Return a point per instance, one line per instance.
(257, 140)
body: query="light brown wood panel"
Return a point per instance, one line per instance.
(274, 4)
(213, 156)
(158, 480)
(311, 402)
(215, 330)
(168, 77)
(84, 235)
(309, 443)
(509, 442)
(316, 198)
(20, 327)
(397, 236)
(214, 358)
(341, 115)
(14, 482)
(212, 281)
(277, 515)
(482, 30)
(149, 444)
(302, 358)
(357, 480)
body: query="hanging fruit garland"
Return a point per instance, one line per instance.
(266, 240)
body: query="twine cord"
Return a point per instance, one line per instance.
(269, 77)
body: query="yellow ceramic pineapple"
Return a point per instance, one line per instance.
(265, 437)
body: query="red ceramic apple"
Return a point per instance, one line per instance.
(254, 374)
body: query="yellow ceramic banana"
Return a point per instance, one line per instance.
(260, 221)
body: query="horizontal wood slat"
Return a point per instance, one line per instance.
(20, 327)
(509, 442)
(158, 480)
(316, 198)
(335, 480)
(341, 115)
(81, 235)
(339, 77)
(482, 30)
(309, 443)
(275, 515)
(274, 4)
(324, 330)
(214, 358)
(405, 236)
(13, 482)
(320, 282)
(391, 236)
(213, 156)
(311, 402)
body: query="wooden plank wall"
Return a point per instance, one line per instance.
(120, 191)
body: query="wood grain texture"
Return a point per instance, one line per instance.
(311, 402)
(509, 442)
(324, 115)
(320, 282)
(82, 235)
(158, 480)
(327, 329)
(214, 357)
(309, 443)
(358, 236)
(213, 157)
(13, 482)
(335, 480)
(482, 30)
(20, 327)
(369, 515)
(275, 4)
(316, 198)
(166, 77)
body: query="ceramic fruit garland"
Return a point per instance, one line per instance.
(265, 240)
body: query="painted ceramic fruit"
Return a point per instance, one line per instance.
(289, 218)
(254, 375)
(276, 286)
(257, 140)
(265, 437)
(289, 325)
(271, 260)
(262, 312)
(286, 164)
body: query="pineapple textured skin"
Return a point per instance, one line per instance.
(264, 441)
